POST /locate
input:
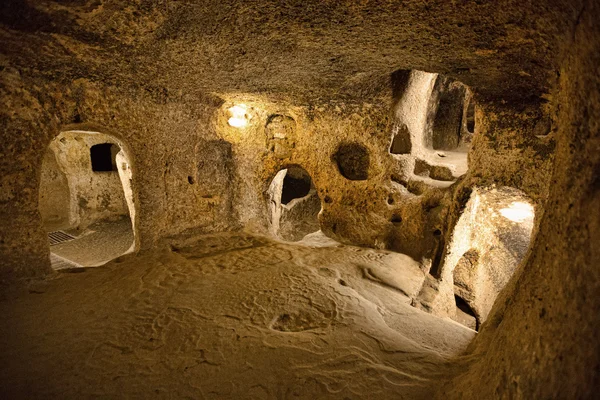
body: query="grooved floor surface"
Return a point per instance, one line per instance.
(97, 244)
(228, 316)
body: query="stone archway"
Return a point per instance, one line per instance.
(487, 245)
(98, 223)
(293, 204)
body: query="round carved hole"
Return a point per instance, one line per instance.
(296, 184)
(353, 161)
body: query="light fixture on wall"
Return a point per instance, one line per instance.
(238, 116)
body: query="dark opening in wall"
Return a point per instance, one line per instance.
(353, 161)
(471, 117)
(103, 157)
(296, 185)
(464, 314)
(447, 122)
(293, 204)
(482, 256)
(400, 80)
(401, 143)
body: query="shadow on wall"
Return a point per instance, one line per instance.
(293, 205)
(213, 176)
(86, 199)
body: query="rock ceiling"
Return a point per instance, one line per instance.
(306, 50)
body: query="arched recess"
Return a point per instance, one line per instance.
(445, 124)
(293, 204)
(94, 173)
(487, 245)
(429, 138)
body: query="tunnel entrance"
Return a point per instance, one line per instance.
(464, 314)
(296, 184)
(447, 137)
(470, 117)
(294, 205)
(401, 143)
(446, 124)
(104, 157)
(86, 199)
(432, 131)
(488, 243)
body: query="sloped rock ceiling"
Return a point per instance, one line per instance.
(300, 49)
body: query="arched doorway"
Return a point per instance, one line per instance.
(488, 243)
(86, 199)
(293, 205)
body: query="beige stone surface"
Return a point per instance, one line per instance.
(540, 340)
(98, 243)
(54, 197)
(227, 316)
(211, 99)
(93, 195)
(488, 243)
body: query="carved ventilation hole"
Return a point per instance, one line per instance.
(58, 237)
(296, 185)
(401, 143)
(353, 161)
(471, 117)
(464, 314)
(103, 157)
(396, 219)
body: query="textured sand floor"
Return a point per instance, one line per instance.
(228, 316)
(98, 244)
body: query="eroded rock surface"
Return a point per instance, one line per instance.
(401, 113)
(228, 316)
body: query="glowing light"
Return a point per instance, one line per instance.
(239, 116)
(518, 211)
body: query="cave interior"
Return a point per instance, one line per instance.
(299, 199)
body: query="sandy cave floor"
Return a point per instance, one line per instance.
(228, 316)
(97, 244)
